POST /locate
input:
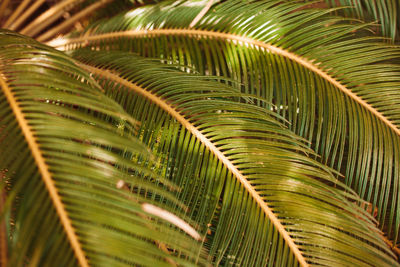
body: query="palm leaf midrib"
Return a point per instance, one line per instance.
(45, 173)
(207, 143)
(241, 40)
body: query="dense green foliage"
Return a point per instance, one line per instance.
(260, 133)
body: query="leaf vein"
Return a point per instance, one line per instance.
(241, 39)
(44, 171)
(228, 164)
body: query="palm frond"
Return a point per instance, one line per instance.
(80, 188)
(258, 196)
(336, 85)
(384, 12)
(46, 19)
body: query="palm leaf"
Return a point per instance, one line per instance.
(384, 12)
(335, 85)
(44, 19)
(249, 180)
(76, 190)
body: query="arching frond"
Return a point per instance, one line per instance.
(77, 192)
(336, 85)
(259, 197)
(384, 12)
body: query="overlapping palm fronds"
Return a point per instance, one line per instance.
(385, 13)
(240, 168)
(336, 84)
(271, 127)
(71, 163)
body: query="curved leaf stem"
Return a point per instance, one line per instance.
(228, 164)
(241, 40)
(45, 174)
